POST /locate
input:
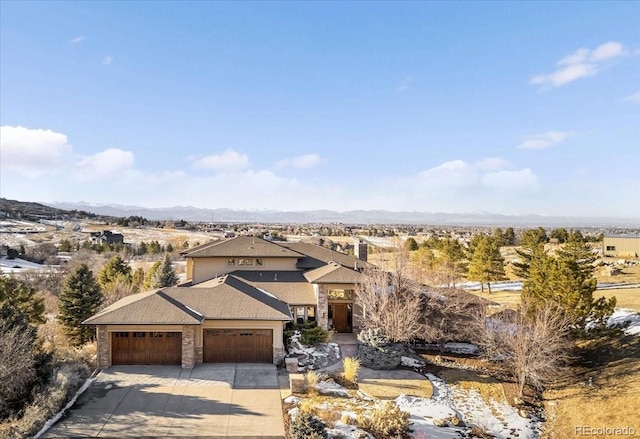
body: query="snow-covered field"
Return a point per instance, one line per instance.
(18, 265)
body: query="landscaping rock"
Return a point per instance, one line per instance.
(377, 352)
(440, 422)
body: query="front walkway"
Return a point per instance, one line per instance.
(210, 400)
(347, 342)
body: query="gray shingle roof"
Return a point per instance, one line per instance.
(242, 247)
(317, 256)
(289, 286)
(333, 273)
(150, 307)
(223, 298)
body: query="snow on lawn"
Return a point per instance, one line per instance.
(497, 419)
(622, 316)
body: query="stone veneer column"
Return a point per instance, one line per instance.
(104, 347)
(323, 307)
(278, 355)
(188, 346)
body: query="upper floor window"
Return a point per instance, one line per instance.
(611, 248)
(231, 262)
(245, 261)
(258, 261)
(339, 294)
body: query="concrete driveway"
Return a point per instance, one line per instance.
(211, 400)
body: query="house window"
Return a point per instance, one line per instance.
(259, 262)
(300, 314)
(156, 335)
(341, 294)
(122, 334)
(139, 334)
(231, 262)
(173, 334)
(245, 261)
(311, 313)
(611, 248)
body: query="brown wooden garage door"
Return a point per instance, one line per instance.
(146, 348)
(237, 346)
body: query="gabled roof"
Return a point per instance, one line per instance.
(316, 256)
(150, 307)
(289, 286)
(333, 273)
(242, 247)
(230, 298)
(223, 298)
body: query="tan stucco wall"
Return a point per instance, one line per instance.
(242, 324)
(145, 328)
(624, 246)
(208, 268)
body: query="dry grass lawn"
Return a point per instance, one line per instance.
(613, 399)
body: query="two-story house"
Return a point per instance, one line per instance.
(238, 296)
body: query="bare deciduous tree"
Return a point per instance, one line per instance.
(390, 300)
(450, 315)
(532, 347)
(17, 365)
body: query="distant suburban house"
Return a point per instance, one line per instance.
(106, 236)
(623, 246)
(238, 296)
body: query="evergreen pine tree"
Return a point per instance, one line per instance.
(567, 281)
(22, 298)
(165, 276)
(486, 263)
(115, 270)
(79, 299)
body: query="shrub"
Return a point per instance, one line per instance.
(351, 367)
(388, 422)
(307, 426)
(313, 378)
(66, 382)
(373, 337)
(310, 333)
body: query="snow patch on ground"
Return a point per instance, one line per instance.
(622, 316)
(411, 362)
(496, 418)
(346, 431)
(71, 402)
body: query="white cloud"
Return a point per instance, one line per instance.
(544, 140)
(77, 39)
(492, 164)
(635, 97)
(512, 181)
(106, 163)
(301, 162)
(107, 60)
(31, 152)
(581, 64)
(228, 161)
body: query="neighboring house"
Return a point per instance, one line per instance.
(624, 246)
(106, 236)
(238, 295)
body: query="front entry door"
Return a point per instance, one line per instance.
(342, 317)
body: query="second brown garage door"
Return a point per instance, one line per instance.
(146, 348)
(238, 346)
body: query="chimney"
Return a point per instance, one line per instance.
(360, 250)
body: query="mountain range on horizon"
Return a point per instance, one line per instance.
(378, 216)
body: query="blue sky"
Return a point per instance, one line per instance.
(505, 107)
